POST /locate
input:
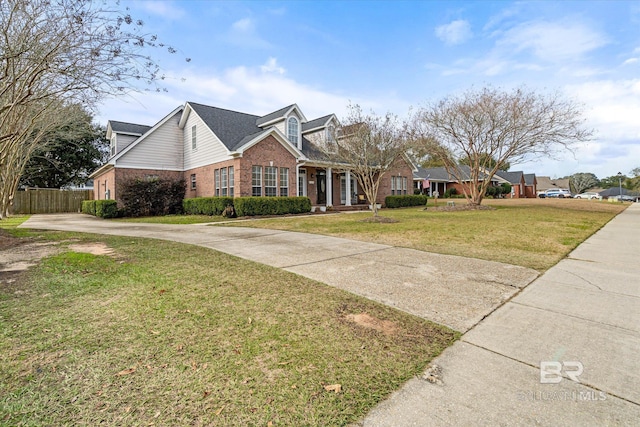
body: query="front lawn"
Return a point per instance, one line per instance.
(534, 233)
(158, 333)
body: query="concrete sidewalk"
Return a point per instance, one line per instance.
(585, 309)
(454, 291)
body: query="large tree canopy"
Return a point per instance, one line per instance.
(68, 156)
(56, 53)
(579, 182)
(490, 128)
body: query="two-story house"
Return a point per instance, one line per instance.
(221, 152)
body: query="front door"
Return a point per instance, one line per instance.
(322, 187)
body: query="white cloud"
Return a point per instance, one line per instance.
(455, 32)
(244, 25)
(631, 61)
(166, 9)
(243, 33)
(551, 41)
(271, 66)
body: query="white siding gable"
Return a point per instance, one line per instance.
(123, 141)
(209, 148)
(161, 149)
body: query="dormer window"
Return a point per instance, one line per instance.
(292, 130)
(331, 132)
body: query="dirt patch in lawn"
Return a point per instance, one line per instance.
(367, 321)
(98, 248)
(461, 207)
(380, 220)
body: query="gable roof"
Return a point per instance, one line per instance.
(529, 178)
(129, 128)
(514, 177)
(233, 128)
(144, 136)
(260, 121)
(320, 122)
(546, 183)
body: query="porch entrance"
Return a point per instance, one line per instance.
(321, 177)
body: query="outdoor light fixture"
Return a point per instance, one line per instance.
(620, 184)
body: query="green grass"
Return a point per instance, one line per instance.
(532, 233)
(169, 334)
(10, 225)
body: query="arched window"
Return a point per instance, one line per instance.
(292, 130)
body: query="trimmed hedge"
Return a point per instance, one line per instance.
(206, 205)
(106, 208)
(89, 207)
(251, 206)
(101, 208)
(152, 197)
(405, 200)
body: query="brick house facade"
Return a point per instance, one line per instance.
(220, 152)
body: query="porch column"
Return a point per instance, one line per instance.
(329, 187)
(347, 187)
(298, 180)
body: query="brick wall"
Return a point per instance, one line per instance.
(402, 169)
(205, 183)
(267, 152)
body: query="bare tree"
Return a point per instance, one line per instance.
(490, 128)
(368, 146)
(55, 53)
(582, 181)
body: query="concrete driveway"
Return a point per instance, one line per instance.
(454, 291)
(581, 315)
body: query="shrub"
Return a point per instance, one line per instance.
(89, 207)
(251, 206)
(141, 197)
(404, 201)
(450, 192)
(206, 205)
(106, 208)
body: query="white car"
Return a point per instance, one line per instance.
(588, 195)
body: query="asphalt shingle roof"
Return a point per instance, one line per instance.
(266, 119)
(320, 121)
(514, 177)
(124, 127)
(529, 178)
(232, 127)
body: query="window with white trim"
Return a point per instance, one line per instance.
(270, 175)
(193, 181)
(194, 142)
(404, 185)
(113, 145)
(256, 181)
(216, 182)
(284, 182)
(398, 185)
(393, 185)
(223, 181)
(292, 130)
(231, 181)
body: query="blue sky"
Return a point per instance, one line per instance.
(259, 56)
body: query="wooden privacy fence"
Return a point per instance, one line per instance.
(45, 200)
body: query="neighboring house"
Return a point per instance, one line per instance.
(546, 183)
(430, 180)
(531, 185)
(615, 192)
(221, 152)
